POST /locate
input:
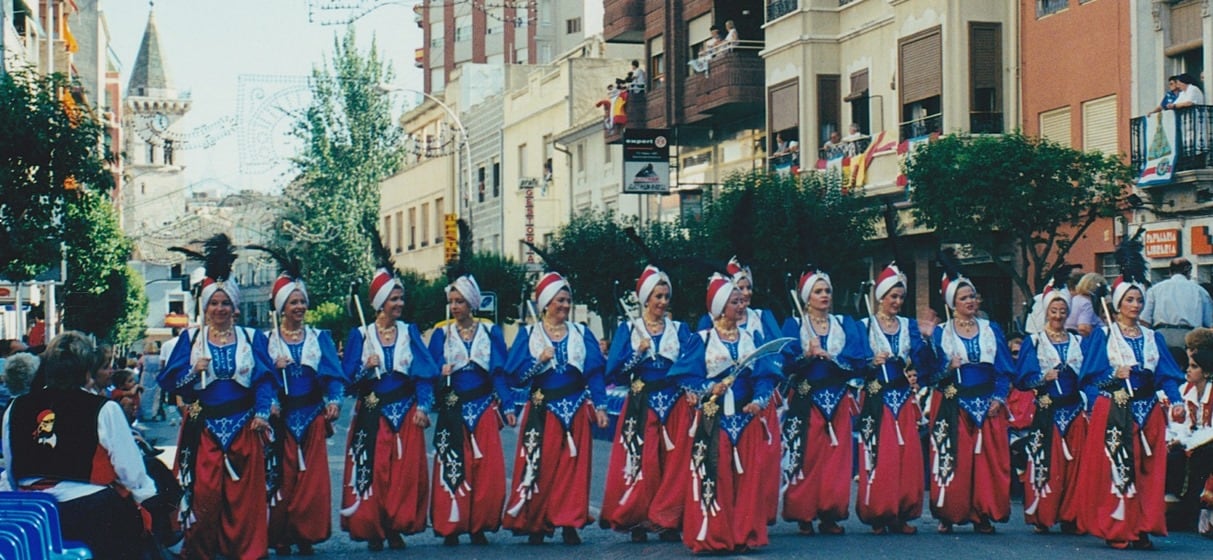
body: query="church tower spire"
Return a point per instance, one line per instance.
(150, 76)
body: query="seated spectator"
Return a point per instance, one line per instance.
(127, 393)
(1169, 96)
(17, 375)
(707, 51)
(833, 148)
(1190, 442)
(637, 78)
(1189, 94)
(77, 447)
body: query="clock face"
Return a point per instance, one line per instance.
(160, 122)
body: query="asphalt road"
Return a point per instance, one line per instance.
(1012, 538)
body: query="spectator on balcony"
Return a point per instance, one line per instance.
(707, 51)
(730, 37)
(637, 79)
(1169, 97)
(834, 147)
(785, 147)
(854, 134)
(1189, 93)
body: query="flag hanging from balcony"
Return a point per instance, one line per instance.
(1159, 165)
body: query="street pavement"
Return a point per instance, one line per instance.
(1012, 538)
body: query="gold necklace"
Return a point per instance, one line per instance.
(730, 335)
(222, 335)
(1131, 331)
(466, 332)
(289, 333)
(386, 330)
(819, 321)
(555, 330)
(654, 325)
(1057, 336)
(964, 323)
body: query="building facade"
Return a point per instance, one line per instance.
(1075, 92)
(494, 33)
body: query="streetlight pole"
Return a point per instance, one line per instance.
(463, 194)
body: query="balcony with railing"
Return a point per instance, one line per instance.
(923, 126)
(845, 148)
(623, 21)
(1193, 139)
(635, 109)
(981, 122)
(779, 8)
(728, 82)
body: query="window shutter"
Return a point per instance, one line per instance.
(984, 55)
(784, 103)
(1099, 125)
(921, 67)
(1055, 126)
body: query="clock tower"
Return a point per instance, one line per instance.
(154, 192)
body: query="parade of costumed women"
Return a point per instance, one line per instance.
(311, 386)
(891, 482)
(1125, 365)
(386, 486)
(830, 351)
(473, 404)
(225, 375)
(647, 477)
(560, 363)
(725, 508)
(1049, 362)
(970, 462)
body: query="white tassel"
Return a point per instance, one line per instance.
(1119, 514)
(694, 425)
(703, 528)
(943, 490)
(1031, 510)
(302, 465)
(1065, 448)
(572, 446)
(517, 508)
(737, 461)
(867, 497)
(833, 438)
(665, 435)
(977, 449)
(475, 448)
(454, 517)
(231, 471)
(1145, 445)
(399, 448)
(349, 511)
(730, 407)
(897, 427)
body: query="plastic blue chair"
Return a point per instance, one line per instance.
(13, 544)
(48, 506)
(35, 540)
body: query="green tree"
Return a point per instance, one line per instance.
(43, 146)
(778, 224)
(103, 295)
(350, 145)
(594, 253)
(502, 276)
(1015, 195)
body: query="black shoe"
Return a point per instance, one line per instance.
(569, 536)
(450, 540)
(669, 535)
(374, 546)
(395, 541)
(479, 539)
(305, 549)
(535, 538)
(282, 550)
(639, 535)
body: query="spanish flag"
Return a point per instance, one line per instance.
(861, 162)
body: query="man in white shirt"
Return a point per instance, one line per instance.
(1177, 305)
(1189, 94)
